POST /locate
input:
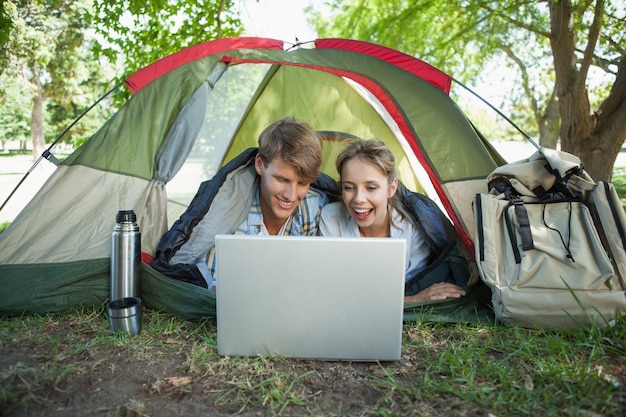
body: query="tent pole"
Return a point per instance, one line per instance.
(500, 113)
(47, 154)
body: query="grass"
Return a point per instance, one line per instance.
(445, 370)
(619, 182)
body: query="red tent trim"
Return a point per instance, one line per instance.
(146, 75)
(399, 59)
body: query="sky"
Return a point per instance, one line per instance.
(278, 19)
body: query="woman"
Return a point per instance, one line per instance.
(371, 207)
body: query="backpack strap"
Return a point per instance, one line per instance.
(524, 223)
(614, 211)
(560, 184)
(504, 186)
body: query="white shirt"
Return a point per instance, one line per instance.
(336, 221)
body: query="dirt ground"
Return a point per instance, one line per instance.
(62, 372)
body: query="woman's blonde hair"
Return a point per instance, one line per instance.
(297, 143)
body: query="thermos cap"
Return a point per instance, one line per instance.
(126, 216)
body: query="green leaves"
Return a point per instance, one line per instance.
(143, 32)
(76, 50)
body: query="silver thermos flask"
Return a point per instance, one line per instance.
(125, 256)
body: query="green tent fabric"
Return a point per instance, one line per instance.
(192, 302)
(189, 114)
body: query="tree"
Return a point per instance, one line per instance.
(6, 24)
(140, 32)
(46, 52)
(597, 136)
(14, 120)
(62, 48)
(552, 45)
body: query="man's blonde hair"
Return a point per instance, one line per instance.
(297, 143)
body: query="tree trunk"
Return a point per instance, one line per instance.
(600, 148)
(599, 161)
(611, 126)
(596, 138)
(36, 122)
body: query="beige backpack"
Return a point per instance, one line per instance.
(551, 244)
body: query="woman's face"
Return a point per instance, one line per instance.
(366, 192)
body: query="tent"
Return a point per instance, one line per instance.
(192, 112)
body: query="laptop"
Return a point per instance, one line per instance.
(324, 298)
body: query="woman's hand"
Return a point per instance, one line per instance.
(439, 291)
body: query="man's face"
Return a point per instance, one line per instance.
(281, 190)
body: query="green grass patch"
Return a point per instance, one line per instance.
(619, 181)
(446, 369)
(520, 371)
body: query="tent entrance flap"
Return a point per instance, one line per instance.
(225, 108)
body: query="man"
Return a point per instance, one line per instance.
(287, 162)
(266, 192)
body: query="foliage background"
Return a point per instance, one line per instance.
(61, 56)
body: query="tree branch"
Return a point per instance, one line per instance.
(516, 23)
(617, 95)
(592, 40)
(620, 48)
(525, 79)
(562, 44)
(603, 63)
(218, 19)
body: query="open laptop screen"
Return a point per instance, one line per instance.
(310, 297)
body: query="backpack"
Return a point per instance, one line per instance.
(551, 244)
